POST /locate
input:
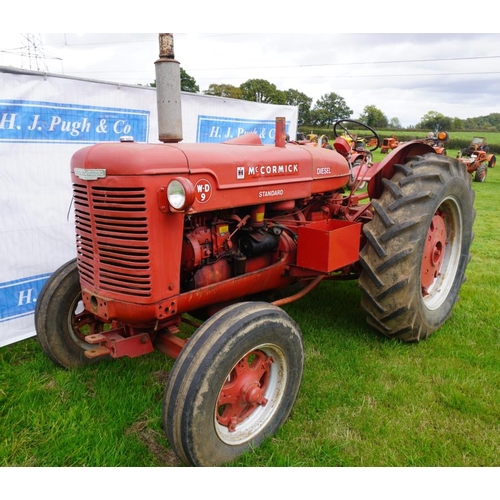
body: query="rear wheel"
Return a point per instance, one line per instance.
(492, 162)
(481, 173)
(61, 321)
(234, 383)
(417, 247)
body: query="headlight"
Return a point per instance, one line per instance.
(180, 193)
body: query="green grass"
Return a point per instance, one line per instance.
(364, 401)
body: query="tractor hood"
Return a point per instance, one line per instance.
(293, 171)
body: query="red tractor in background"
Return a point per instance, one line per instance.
(436, 140)
(206, 234)
(362, 145)
(477, 158)
(388, 144)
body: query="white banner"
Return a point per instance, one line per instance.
(44, 119)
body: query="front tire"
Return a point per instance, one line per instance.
(481, 173)
(61, 321)
(234, 384)
(417, 247)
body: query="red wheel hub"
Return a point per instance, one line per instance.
(244, 389)
(434, 251)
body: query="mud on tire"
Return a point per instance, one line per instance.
(417, 247)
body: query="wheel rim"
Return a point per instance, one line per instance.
(251, 394)
(82, 323)
(441, 254)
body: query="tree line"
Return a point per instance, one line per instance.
(332, 107)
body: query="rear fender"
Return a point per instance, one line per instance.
(385, 169)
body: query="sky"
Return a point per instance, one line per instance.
(405, 75)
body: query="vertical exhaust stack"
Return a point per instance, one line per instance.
(168, 91)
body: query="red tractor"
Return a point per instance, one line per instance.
(438, 141)
(169, 232)
(362, 145)
(388, 144)
(477, 158)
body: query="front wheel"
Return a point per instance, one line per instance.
(234, 384)
(481, 173)
(417, 247)
(61, 321)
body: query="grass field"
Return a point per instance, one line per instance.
(364, 401)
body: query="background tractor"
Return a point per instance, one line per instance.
(388, 144)
(477, 144)
(477, 158)
(362, 144)
(435, 139)
(438, 141)
(220, 237)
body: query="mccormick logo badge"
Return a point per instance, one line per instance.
(267, 170)
(91, 174)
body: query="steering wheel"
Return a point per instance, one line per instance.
(372, 140)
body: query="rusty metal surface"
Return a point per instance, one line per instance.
(166, 45)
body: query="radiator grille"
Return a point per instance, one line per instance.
(117, 259)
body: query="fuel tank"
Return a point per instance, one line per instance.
(239, 172)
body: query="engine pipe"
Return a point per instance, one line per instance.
(168, 91)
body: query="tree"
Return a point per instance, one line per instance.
(435, 121)
(457, 124)
(188, 83)
(224, 90)
(328, 109)
(258, 90)
(373, 117)
(394, 123)
(296, 98)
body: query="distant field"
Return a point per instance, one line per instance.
(491, 137)
(457, 140)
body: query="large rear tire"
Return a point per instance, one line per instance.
(234, 384)
(61, 321)
(417, 247)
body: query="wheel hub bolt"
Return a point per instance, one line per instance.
(254, 395)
